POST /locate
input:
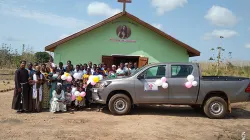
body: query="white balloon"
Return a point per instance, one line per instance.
(77, 93)
(158, 82)
(164, 85)
(91, 77)
(194, 83)
(89, 81)
(73, 90)
(63, 77)
(190, 78)
(75, 75)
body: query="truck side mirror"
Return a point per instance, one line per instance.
(141, 76)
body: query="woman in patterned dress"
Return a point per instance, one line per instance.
(46, 99)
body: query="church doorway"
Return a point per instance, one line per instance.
(117, 59)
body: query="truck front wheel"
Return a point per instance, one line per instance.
(119, 104)
(215, 108)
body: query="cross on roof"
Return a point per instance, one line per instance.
(124, 3)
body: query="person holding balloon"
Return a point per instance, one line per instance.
(80, 99)
(85, 77)
(67, 78)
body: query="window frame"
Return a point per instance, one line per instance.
(144, 72)
(180, 66)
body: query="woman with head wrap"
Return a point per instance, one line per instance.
(57, 100)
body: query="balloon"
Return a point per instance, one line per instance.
(188, 84)
(53, 65)
(75, 75)
(89, 81)
(91, 77)
(190, 78)
(73, 90)
(164, 79)
(82, 94)
(158, 82)
(63, 77)
(73, 97)
(194, 83)
(66, 74)
(69, 78)
(164, 85)
(100, 77)
(95, 79)
(77, 93)
(79, 98)
(93, 83)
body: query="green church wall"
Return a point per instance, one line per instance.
(92, 45)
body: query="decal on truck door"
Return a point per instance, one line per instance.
(150, 86)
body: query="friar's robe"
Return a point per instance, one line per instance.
(21, 77)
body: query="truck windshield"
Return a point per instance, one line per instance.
(138, 70)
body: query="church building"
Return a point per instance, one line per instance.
(121, 38)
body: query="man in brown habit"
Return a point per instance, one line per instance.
(21, 95)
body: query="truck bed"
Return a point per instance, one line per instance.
(222, 78)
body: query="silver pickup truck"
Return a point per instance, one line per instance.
(212, 94)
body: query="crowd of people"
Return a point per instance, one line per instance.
(41, 86)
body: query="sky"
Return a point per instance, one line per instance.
(198, 23)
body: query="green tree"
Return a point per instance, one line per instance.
(42, 57)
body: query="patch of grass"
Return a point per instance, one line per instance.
(240, 70)
(7, 71)
(7, 77)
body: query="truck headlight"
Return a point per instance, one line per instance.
(102, 84)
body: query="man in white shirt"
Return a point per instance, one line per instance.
(121, 70)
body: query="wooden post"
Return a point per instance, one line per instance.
(124, 4)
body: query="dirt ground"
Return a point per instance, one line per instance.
(145, 122)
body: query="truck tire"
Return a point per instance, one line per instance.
(119, 104)
(215, 108)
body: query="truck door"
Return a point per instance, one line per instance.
(178, 93)
(145, 88)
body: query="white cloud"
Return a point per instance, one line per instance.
(247, 45)
(101, 9)
(45, 18)
(218, 33)
(157, 25)
(163, 6)
(221, 16)
(62, 36)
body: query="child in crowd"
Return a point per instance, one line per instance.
(68, 100)
(80, 101)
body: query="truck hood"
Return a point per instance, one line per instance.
(117, 78)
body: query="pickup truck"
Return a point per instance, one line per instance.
(211, 94)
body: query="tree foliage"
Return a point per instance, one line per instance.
(10, 58)
(42, 57)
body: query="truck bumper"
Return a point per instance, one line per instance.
(96, 96)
